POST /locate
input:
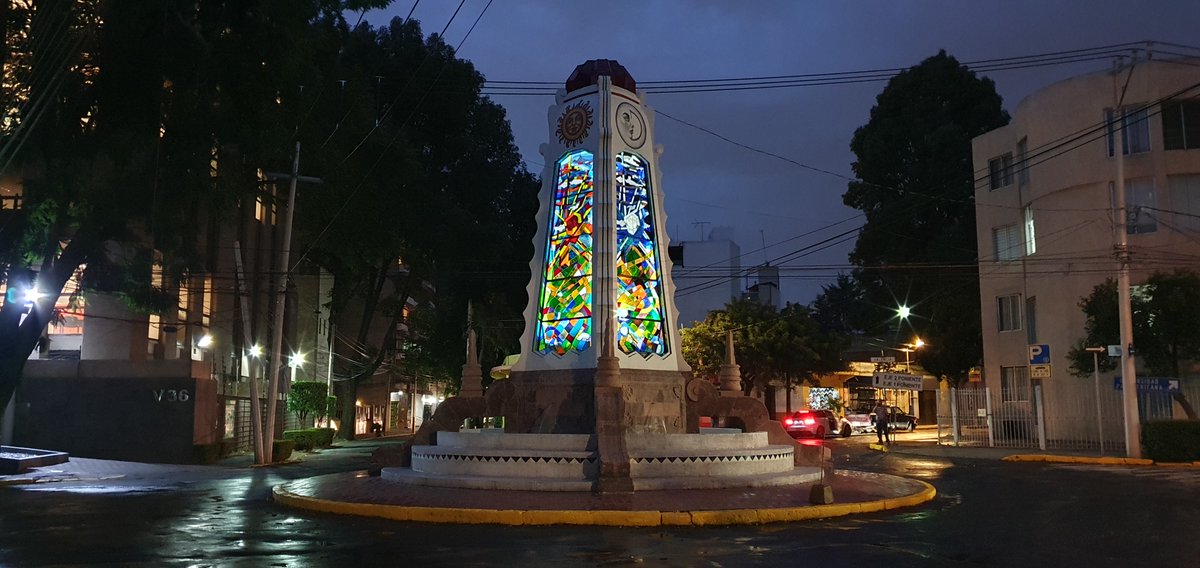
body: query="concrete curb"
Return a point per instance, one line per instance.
(1094, 460)
(57, 479)
(600, 517)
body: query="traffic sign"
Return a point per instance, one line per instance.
(1114, 350)
(1151, 384)
(1039, 354)
(1039, 371)
(883, 359)
(896, 381)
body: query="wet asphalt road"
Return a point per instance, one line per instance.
(987, 513)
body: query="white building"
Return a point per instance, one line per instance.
(1046, 218)
(707, 274)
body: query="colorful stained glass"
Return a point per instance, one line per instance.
(640, 319)
(565, 303)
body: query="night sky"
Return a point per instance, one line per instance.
(712, 182)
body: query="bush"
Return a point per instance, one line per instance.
(310, 438)
(1172, 440)
(281, 450)
(210, 453)
(309, 398)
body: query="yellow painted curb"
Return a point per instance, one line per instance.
(600, 517)
(1077, 459)
(1187, 465)
(879, 447)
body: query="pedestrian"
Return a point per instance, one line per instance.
(881, 420)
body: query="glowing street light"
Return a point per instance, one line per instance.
(296, 360)
(205, 342)
(256, 351)
(903, 312)
(32, 296)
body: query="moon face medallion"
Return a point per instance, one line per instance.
(631, 125)
(574, 124)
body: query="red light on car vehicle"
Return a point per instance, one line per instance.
(788, 421)
(808, 421)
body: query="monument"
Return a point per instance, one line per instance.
(601, 398)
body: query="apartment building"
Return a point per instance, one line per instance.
(1047, 220)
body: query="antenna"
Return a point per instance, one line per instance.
(701, 224)
(762, 235)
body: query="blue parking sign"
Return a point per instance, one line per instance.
(1039, 354)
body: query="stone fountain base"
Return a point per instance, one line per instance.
(492, 459)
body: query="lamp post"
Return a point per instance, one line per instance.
(1096, 351)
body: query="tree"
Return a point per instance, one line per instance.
(785, 346)
(308, 397)
(123, 110)
(916, 188)
(1166, 326)
(1166, 323)
(410, 146)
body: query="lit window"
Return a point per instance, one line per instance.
(564, 320)
(1008, 312)
(1030, 234)
(641, 325)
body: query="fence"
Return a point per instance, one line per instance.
(1073, 414)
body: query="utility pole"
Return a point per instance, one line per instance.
(280, 296)
(256, 429)
(1133, 446)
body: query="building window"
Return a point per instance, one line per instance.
(1031, 319)
(1184, 193)
(1014, 384)
(1181, 125)
(1023, 162)
(1006, 242)
(1030, 234)
(1139, 206)
(1008, 312)
(1000, 171)
(1136, 123)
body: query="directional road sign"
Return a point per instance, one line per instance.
(896, 381)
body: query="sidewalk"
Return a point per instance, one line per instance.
(924, 442)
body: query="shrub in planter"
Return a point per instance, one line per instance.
(282, 450)
(324, 437)
(1172, 440)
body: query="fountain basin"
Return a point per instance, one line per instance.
(14, 459)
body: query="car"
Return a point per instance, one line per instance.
(900, 420)
(815, 424)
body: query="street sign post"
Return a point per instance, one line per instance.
(883, 359)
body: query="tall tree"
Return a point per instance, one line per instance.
(916, 187)
(429, 188)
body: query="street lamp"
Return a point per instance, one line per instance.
(1096, 351)
(909, 348)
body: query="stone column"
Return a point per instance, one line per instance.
(730, 373)
(472, 374)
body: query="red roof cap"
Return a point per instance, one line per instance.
(589, 72)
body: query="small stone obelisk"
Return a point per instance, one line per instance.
(730, 373)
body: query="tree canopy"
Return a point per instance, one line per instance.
(1166, 324)
(916, 188)
(787, 346)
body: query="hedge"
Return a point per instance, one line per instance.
(310, 438)
(281, 450)
(1171, 440)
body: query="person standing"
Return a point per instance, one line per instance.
(881, 420)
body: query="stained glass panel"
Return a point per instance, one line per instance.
(640, 319)
(565, 302)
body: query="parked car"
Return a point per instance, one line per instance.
(815, 424)
(860, 418)
(900, 420)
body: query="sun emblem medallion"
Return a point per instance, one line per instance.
(574, 124)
